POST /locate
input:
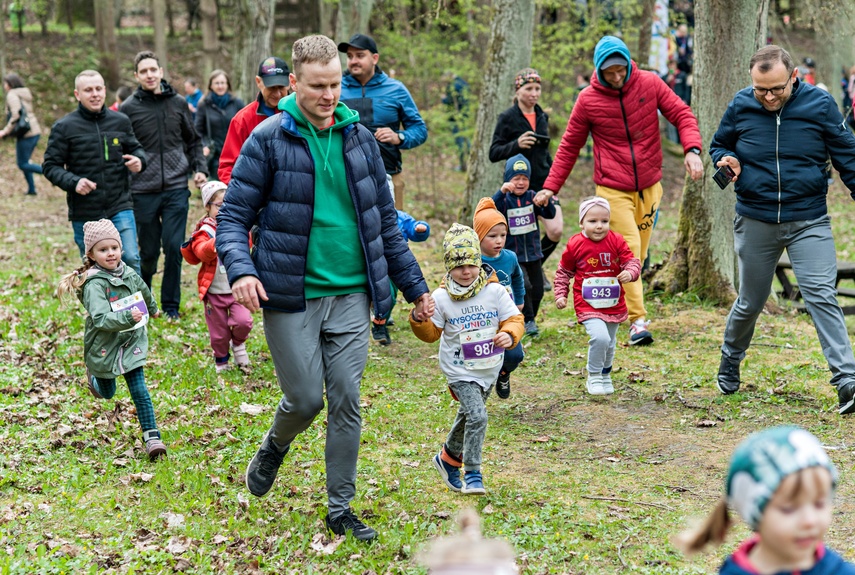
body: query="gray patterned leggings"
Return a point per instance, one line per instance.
(470, 426)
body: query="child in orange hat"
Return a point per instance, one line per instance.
(492, 230)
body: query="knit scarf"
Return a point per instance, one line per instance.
(118, 272)
(458, 292)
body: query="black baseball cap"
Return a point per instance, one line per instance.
(273, 71)
(360, 42)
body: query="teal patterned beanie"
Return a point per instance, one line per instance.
(763, 461)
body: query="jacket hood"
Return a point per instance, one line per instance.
(343, 115)
(378, 78)
(611, 46)
(166, 91)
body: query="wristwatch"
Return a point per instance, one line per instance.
(403, 137)
(695, 151)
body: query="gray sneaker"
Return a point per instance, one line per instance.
(531, 329)
(263, 467)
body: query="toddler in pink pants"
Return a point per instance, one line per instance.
(229, 323)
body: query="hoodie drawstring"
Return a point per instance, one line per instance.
(318, 143)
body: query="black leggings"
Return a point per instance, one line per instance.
(533, 275)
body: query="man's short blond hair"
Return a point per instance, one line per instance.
(311, 49)
(86, 74)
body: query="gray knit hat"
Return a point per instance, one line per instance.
(94, 232)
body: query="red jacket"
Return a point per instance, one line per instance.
(240, 127)
(200, 248)
(625, 128)
(584, 258)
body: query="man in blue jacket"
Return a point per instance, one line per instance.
(384, 105)
(777, 136)
(327, 244)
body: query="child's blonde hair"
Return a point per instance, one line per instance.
(783, 461)
(469, 552)
(71, 283)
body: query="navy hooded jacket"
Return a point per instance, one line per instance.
(783, 154)
(272, 185)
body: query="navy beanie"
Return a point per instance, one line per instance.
(517, 165)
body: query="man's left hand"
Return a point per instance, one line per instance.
(694, 165)
(425, 307)
(387, 136)
(199, 179)
(133, 163)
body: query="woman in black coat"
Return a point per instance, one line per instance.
(213, 115)
(524, 129)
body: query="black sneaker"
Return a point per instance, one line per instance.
(547, 286)
(728, 376)
(263, 467)
(347, 521)
(503, 385)
(380, 334)
(846, 397)
(172, 314)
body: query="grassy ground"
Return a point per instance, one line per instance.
(577, 484)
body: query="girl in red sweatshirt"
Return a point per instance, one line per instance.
(600, 261)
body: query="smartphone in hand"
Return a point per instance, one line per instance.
(723, 176)
(540, 140)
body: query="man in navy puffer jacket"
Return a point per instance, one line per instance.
(327, 243)
(777, 137)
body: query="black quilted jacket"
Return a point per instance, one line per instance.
(164, 127)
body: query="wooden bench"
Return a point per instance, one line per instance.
(790, 290)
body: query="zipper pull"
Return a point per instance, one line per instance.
(778, 118)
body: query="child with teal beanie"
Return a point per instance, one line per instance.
(781, 483)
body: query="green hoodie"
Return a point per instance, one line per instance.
(335, 261)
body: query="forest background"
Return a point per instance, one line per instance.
(576, 484)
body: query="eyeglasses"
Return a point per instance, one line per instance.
(218, 204)
(776, 91)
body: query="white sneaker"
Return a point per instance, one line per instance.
(608, 388)
(241, 357)
(594, 385)
(639, 334)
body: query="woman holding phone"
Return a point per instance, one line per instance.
(524, 129)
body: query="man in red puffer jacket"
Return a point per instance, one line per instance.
(619, 110)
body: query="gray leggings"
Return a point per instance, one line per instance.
(470, 426)
(326, 344)
(601, 346)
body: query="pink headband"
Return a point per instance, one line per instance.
(588, 204)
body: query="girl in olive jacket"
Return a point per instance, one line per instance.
(115, 341)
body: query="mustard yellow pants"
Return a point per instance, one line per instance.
(633, 214)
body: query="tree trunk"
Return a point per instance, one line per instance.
(353, 16)
(508, 51)
(326, 15)
(107, 46)
(727, 33)
(834, 21)
(4, 6)
(642, 55)
(158, 20)
(170, 19)
(210, 41)
(253, 42)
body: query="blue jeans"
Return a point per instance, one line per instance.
(810, 247)
(23, 152)
(513, 358)
(127, 226)
(161, 221)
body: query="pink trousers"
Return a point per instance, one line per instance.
(228, 322)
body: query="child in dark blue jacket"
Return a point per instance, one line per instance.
(781, 482)
(516, 202)
(411, 229)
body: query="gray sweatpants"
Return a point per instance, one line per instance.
(601, 345)
(326, 344)
(810, 247)
(470, 426)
